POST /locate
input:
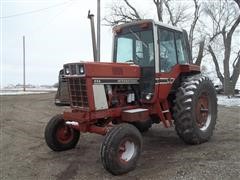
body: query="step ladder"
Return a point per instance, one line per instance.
(165, 114)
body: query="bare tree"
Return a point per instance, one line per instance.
(225, 17)
(135, 14)
(201, 46)
(122, 12)
(195, 19)
(159, 6)
(177, 14)
(201, 42)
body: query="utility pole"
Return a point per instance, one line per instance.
(24, 82)
(98, 29)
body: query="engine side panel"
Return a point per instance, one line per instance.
(100, 100)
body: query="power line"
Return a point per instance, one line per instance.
(35, 11)
(50, 19)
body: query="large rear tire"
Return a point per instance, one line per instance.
(121, 149)
(195, 110)
(59, 136)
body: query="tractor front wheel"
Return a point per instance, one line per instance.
(195, 110)
(121, 149)
(59, 136)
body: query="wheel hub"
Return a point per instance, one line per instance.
(203, 113)
(127, 150)
(64, 134)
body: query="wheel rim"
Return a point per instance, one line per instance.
(64, 134)
(127, 151)
(203, 112)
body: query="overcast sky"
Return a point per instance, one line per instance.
(54, 36)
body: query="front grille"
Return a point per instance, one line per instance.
(78, 92)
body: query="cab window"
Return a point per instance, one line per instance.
(167, 51)
(181, 48)
(124, 49)
(135, 47)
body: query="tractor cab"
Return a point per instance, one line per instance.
(155, 47)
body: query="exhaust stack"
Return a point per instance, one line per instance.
(91, 18)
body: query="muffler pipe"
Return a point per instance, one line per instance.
(91, 18)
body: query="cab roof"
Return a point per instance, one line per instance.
(115, 28)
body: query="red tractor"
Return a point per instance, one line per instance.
(150, 80)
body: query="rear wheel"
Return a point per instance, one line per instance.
(121, 149)
(59, 136)
(195, 110)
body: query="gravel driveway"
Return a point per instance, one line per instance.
(24, 154)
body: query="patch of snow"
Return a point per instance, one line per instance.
(29, 89)
(19, 91)
(224, 100)
(6, 93)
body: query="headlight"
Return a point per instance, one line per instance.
(148, 96)
(74, 69)
(81, 69)
(67, 70)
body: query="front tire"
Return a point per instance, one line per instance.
(195, 110)
(121, 149)
(59, 136)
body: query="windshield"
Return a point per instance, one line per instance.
(135, 47)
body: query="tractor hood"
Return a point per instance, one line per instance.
(103, 70)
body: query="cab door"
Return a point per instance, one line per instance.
(172, 53)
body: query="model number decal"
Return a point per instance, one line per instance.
(115, 81)
(164, 80)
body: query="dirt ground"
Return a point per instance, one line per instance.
(24, 154)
